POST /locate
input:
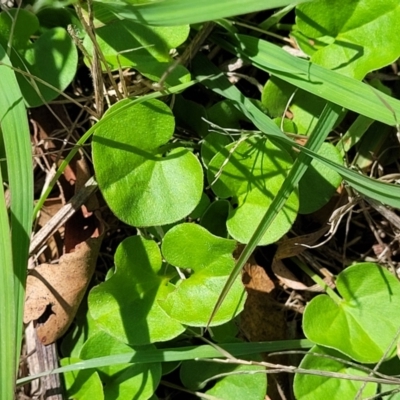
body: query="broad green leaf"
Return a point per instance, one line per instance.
(353, 37)
(82, 385)
(191, 116)
(83, 327)
(215, 217)
(106, 119)
(320, 182)
(52, 58)
(238, 385)
(180, 12)
(210, 260)
(353, 325)
(251, 173)
(129, 44)
(318, 387)
(124, 381)
(201, 207)
(127, 305)
(225, 115)
(213, 143)
(141, 185)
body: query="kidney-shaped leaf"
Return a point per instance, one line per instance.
(343, 32)
(141, 185)
(319, 387)
(126, 305)
(122, 381)
(320, 182)
(251, 173)
(237, 385)
(210, 261)
(127, 44)
(52, 58)
(364, 323)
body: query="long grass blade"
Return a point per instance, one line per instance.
(179, 354)
(324, 126)
(16, 137)
(181, 12)
(380, 191)
(330, 85)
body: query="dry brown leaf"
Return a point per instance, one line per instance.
(54, 291)
(263, 318)
(290, 248)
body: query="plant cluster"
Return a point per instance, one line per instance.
(202, 181)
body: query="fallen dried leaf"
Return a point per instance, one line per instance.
(54, 291)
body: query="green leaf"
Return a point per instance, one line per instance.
(142, 186)
(180, 12)
(213, 143)
(15, 223)
(210, 261)
(52, 58)
(318, 387)
(343, 32)
(237, 385)
(252, 176)
(127, 305)
(215, 217)
(320, 182)
(129, 44)
(351, 325)
(122, 381)
(82, 385)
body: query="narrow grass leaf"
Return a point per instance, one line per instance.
(325, 123)
(16, 137)
(381, 191)
(179, 354)
(181, 12)
(330, 85)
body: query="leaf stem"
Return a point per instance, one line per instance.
(317, 279)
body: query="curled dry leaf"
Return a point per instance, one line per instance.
(54, 291)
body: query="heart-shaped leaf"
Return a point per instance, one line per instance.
(342, 34)
(127, 44)
(251, 172)
(364, 323)
(142, 186)
(126, 305)
(52, 58)
(318, 387)
(122, 381)
(319, 183)
(209, 260)
(82, 385)
(237, 385)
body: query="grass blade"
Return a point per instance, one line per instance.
(330, 85)
(182, 12)
(381, 191)
(16, 137)
(179, 354)
(324, 126)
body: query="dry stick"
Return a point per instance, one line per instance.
(383, 358)
(278, 368)
(61, 217)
